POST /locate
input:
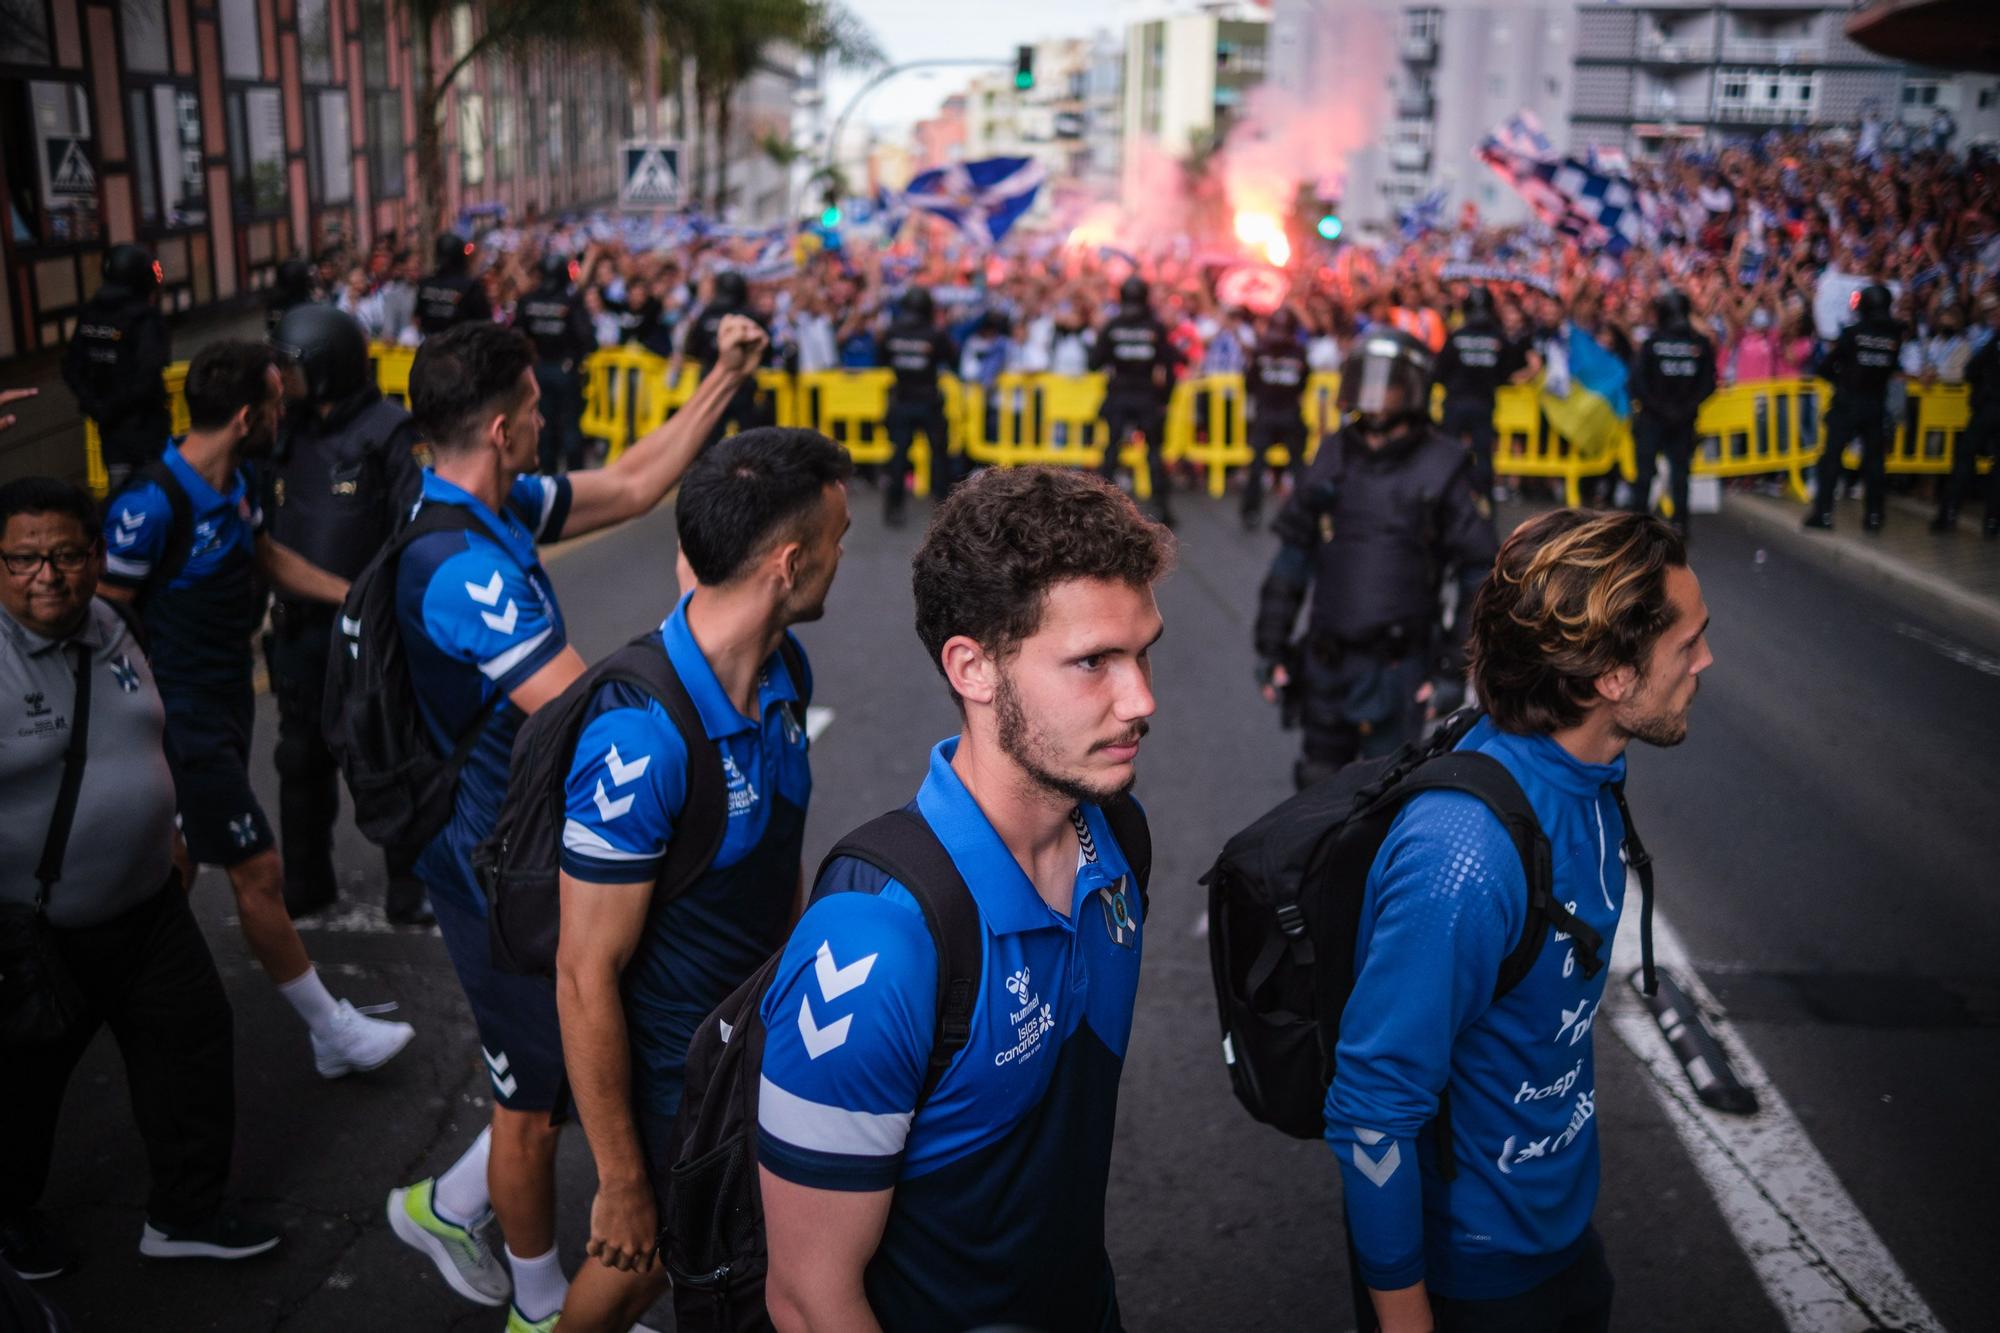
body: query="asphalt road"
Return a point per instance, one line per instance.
(1822, 839)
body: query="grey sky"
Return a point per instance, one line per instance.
(926, 29)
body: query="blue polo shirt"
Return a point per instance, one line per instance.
(626, 791)
(478, 617)
(201, 618)
(999, 1178)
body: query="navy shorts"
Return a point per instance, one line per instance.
(519, 1034)
(208, 751)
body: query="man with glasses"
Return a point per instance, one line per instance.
(1388, 507)
(109, 890)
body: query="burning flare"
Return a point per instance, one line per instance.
(1264, 232)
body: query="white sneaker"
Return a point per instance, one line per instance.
(357, 1042)
(465, 1261)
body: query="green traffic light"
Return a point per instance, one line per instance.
(1329, 227)
(829, 217)
(1024, 80)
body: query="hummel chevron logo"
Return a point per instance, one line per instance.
(835, 982)
(488, 595)
(497, 1067)
(129, 524)
(623, 773)
(1376, 1171)
(609, 808)
(819, 1040)
(504, 622)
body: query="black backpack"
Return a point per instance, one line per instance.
(1284, 909)
(518, 865)
(712, 1234)
(403, 788)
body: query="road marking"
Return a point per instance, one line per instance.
(1821, 1263)
(1954, 651)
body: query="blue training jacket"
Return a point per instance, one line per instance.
(1444, 906)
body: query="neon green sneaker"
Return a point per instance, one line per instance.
(466, 1263)
(518, 1322)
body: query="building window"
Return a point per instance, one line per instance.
(257, 151)
(1921, 92)
(143, 32)
(24, 36)
(471, 139)
(242, 58)
(315, 42)
(503, 136)
(329, 148)
(46, 138)
(385, 145)
(165, 124)
(1421, 25)
(374, 44)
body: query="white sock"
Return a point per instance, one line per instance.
(539, 1284)
(460, 1195)
(311, 998)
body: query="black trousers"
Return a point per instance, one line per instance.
(1652, 438)
(1850, 417)
(1980, 438)
(149, 975)
(308, 778)
(1576, 1300)
(562, 416)
(1360, 703)
(1471, 420)
(1278, 425)
(902, 422)
(1124, 413)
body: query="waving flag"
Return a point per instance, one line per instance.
(1424, 215)
(982, 199)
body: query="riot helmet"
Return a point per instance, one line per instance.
(1672, 309)
(453, 252)
(1385, 382)
(1133, 294)
(1874, 302)
(730, 289)
(917, 306)
(132, 268)
(558, 267)
(328, 347)
(1478, 304)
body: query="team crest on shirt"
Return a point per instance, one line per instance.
(1118, 921)
(125, 674)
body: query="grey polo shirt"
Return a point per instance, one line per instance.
(121, 842)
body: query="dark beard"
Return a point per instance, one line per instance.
(1015, 744)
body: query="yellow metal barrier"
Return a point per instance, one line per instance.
(1751, 429)
(1050, 419)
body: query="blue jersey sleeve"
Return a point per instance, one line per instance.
(481, 608)
(627, 785)
(542, 505)
(1446, 900)
(848, 1025)
(135, 535)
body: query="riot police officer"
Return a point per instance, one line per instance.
(731, 297)
(1672, 376)
(555, 321)
(1133, 345)
(1386, 509)
(916, 350)
(292, 285)
(1862, 361)
(1274, 382)
(342, 477)
(1478, 358)
(114, 362)
(451, 295)
(1981, 436)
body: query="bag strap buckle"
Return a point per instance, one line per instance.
(1291, 920)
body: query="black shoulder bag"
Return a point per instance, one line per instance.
(40, 1002)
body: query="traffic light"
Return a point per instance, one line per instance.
(1024, 68)
(830, 216)
(1329, 227)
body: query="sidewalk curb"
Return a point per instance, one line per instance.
(1778, 521)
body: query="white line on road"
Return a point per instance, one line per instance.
(1956, 652)
(1820, 1261)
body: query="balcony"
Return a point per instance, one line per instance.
(1764, 113)
(1659, 49)
(1418, 48)
(1666, 106)
(1409, 157)
(1773, 50)
(1415, 106)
